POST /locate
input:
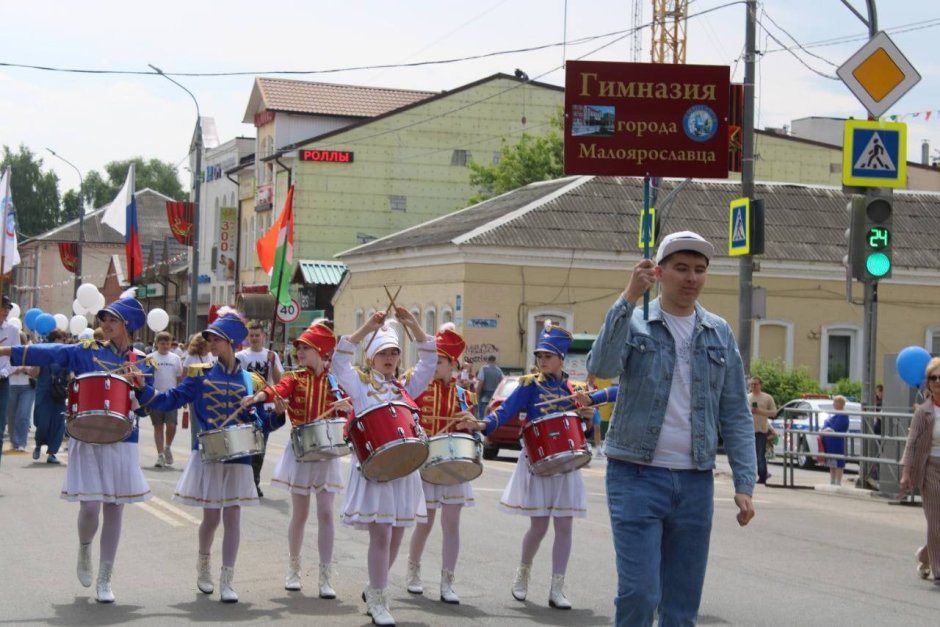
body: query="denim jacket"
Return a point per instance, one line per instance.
(643, 354)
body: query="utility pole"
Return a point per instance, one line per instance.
(746, 265)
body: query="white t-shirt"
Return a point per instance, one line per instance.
(674, 447)
(257, 361)
(192, 360)
(168, 371)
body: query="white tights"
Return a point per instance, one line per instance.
(110, 529)
(231, 517)
(300, 510)
(384, 540)
(450, 530)
(561, 549)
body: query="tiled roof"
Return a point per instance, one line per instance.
(314, 272)
(802, 223)
(280, 94)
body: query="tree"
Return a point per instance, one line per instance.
(158, 175)
(70, 208)
(532, 158)
(35, 193)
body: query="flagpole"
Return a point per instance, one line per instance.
(280, 282)
(191, 317)
(81, 217)
(6, 200)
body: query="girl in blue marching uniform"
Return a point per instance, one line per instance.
(220, 489)
(101, 477)
(559, 498)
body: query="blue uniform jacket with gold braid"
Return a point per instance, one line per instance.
(215, 394)
(533, 389)
(87, 356)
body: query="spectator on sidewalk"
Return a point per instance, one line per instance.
(488, 379)
(20, 404)
(836, 423)
(49, 414)
(763, 408)
(167, 375)
(9, 336)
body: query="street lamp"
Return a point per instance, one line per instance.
(81, 217)
(197, 185)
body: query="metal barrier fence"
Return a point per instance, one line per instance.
(876, 446)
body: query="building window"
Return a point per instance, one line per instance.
(430, 321)
(933, 341)
(773, 341)
(447, 314)
(536, 321)
(398, 203)
(840, 354)
(460, 157)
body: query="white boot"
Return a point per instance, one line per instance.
(326, 590)
(447, 588)
(520, 585)
(103, 592)
(84, 565)
(377, 606)
(203, 578)
(292, 581)
(413, 578)
(557, 598)
(225, 583)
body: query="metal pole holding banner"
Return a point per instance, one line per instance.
(647, 236)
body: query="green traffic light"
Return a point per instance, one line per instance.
(878, 264)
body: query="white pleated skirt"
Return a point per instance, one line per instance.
(215, 485)
(399, 503)
(109, 473)
(531, 495)
(306, 478)
(437, 495)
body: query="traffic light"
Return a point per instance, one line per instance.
(878, 237)
(870, 236)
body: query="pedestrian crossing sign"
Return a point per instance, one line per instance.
(874, 154)
(739, 227)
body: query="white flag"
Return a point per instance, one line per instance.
(11, 256)
(115, 215)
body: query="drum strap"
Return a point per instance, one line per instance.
(462, 398)
(404, 394)
(331, 381)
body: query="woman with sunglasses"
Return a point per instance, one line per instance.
(920, 468)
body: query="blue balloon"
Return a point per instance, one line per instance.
(912, 365)
(45, 323)
(29, 318)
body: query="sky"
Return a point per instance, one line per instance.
(91, 119)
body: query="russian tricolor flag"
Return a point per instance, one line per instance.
(121, 215)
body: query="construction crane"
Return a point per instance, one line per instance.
(637, 47)
(669, 30)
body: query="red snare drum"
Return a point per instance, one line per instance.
(388, 441)
(99, 408)
(555, 444)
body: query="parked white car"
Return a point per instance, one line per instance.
(811, 417)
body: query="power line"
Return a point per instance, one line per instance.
(801, 46)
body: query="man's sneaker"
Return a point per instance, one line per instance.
(168, 457)
(37, 451)
(52, 459)
(161, 461)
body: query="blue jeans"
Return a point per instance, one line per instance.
(20, 413)
(4, 397)
(760, 444)
(661, 521)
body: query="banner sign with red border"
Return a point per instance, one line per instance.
(638, 119)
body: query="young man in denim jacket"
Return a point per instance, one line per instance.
(682, 382)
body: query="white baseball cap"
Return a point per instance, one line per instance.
(684, 241)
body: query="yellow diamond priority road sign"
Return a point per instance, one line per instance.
(878, 74)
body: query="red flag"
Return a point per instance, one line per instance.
(68, 253)
(180, 217)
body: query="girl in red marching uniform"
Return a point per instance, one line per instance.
(440, 406)
(309, 394)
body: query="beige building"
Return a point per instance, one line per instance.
(563, 250)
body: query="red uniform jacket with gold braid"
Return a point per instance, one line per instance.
(307, 394)
(438, 403)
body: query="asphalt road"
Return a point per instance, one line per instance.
(810, 557)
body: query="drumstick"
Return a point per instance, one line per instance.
(108, 370)
(392, 301)
(556, 400)
(230, 418)
(388, 310)
(329, 410)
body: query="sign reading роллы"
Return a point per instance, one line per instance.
(638, 119)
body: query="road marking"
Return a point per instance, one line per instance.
(153, 511)
(172, 515)
(173, 509)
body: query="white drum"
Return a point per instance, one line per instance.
(228, 443)
(319, 440)
(453, 458)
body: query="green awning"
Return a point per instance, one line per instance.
(311, 272)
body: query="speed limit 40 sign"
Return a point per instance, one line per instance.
(288, 313)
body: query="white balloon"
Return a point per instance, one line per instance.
(158, 320)
(14, 311)
(77, 307)
(98, 305)
(87, 294)
(16, 322)
(61, 322)
(77, 324)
